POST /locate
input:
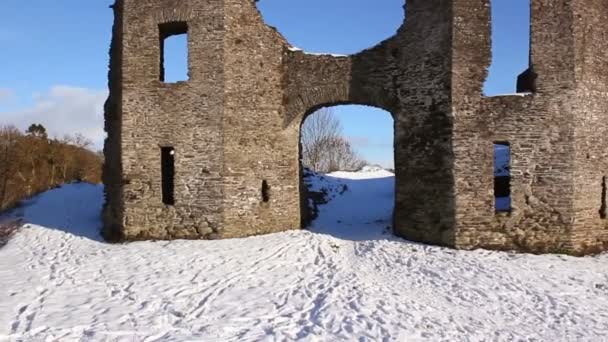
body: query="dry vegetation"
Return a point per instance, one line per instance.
(324, 147)
(7, 229)
(31, 163)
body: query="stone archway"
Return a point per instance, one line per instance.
(366, 134)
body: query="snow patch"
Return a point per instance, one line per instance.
(523, 94)
(296, 49)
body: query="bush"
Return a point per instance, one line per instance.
(7, 229)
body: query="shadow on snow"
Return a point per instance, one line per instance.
(73, 208)
(357, 209)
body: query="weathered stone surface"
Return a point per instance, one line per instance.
(235, 124)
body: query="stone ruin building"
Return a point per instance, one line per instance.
(217, 156)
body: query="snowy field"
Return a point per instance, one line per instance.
(347, 279)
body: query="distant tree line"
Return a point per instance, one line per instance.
(31, 163)
(324, 147)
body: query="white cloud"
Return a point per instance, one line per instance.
(65, 110)
(6, 95)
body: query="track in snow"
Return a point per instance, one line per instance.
(346, 279)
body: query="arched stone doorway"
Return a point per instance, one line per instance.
(347, 171)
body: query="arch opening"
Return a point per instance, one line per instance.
(335, 23)
(347, 178)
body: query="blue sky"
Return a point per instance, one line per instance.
(55, 58)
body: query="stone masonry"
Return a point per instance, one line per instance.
(233, 128)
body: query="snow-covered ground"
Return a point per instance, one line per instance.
(347, 279)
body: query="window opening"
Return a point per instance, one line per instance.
(502, 176)
(265, 192)
(173, 52)
(604, 208)
(168, 175)
(510, 71)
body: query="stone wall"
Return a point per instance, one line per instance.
(152, 114)
(535, 125)
(235, 124)
(556, 188)
(112, 169)
(590, 231)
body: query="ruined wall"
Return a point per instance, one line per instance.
(552, 191)
(256, 148)
(538, 127)
(112, 167)
(407, 75)
(590, 233)
(184, 115)
(235, 124)
(424, 199)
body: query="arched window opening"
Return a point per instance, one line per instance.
(329, 26)
(348, 185)
(509, 72)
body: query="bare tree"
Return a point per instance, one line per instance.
(78, 140)
(317, 130)
(9, 136)
(324, 148)
(340, 156)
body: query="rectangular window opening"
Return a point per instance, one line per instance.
(502, 177)
(510, 71)
(168, 175)
(173, 52)
(265, 192)
(604, 208)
